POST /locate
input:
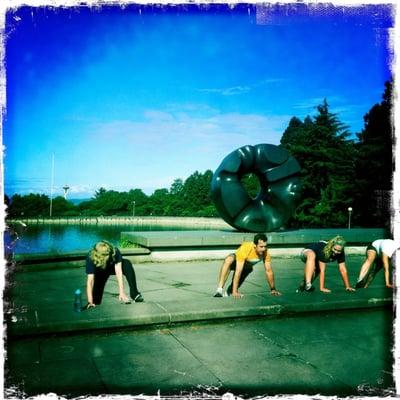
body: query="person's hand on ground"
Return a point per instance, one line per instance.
(89, 305)
(123, 298)
(237, 295)
(350, 289)
(275, 292)
(389, 285)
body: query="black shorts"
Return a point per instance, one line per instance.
(304, 259)
(233, 265)
(370, 247)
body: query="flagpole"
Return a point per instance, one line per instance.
(52, 184)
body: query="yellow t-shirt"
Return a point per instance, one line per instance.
(247, 253)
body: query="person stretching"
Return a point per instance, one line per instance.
(102, 261)
(316, 256)
(242, 262)
(378, 255)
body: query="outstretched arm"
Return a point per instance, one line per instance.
(89, 290)
(270, 278)
(118, 273)
(322, 267)
(385, 262)
(345, 277)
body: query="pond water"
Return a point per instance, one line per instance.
(66, 238)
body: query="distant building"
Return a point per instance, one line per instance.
(66, 188)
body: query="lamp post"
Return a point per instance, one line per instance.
(133, 208)
(350, 211)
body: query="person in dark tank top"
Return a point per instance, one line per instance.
(316, 256)
(102, 261)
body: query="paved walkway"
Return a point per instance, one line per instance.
(42, 301)
(345, 353)
(309, 343)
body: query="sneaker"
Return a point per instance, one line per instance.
(310, 288)
(301, 287)
(138, 298)
(219, 293)
(360, 284)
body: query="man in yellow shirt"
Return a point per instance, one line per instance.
(241, 262)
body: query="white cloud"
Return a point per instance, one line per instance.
(162, 146)
(230, 91)
(181, 129)
(237, 90)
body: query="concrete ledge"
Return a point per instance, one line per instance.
(143, 255)
(35, 258)
(159, 221)
(49, 261)
(219, 254)
(212, 239)
(53, 320)
(166, 246)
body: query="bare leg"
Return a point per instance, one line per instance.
(371, 255)
(225, 270)
(309, 268)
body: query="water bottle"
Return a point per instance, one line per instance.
(78, 301)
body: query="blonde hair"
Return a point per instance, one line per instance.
(337, 240)
(101, 253)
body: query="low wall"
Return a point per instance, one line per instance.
(202, 239)
(167, 246)
(184, 222)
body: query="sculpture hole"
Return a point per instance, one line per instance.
(251, 184)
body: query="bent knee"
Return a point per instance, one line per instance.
(309, 254)
(229, 259)
(371, 256)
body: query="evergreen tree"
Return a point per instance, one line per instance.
(62, 207)
(139, 201)
(158, 202)
(326, 157)
(31, 205)
(375, 164)
(197, 195)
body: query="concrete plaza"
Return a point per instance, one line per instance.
(181, 339)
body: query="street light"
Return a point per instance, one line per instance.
(350, 211)
(133, 208)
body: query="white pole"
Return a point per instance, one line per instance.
(52, 184)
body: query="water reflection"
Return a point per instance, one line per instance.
(66, 238)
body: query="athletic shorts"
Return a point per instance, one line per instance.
(304, 259)
(233, 265)
(303, 256)
(370, 247)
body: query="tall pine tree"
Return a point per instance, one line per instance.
(326, 158)
(375, 164)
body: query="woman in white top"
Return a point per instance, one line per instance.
(379, 253)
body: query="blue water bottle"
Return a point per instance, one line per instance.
(78, 301)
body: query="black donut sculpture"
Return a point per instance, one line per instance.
(278, 173)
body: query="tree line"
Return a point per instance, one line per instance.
(337, 173)
(189, 198)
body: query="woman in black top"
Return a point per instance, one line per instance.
(105, 260)
(316, 255)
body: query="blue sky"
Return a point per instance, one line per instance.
(137, 96)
